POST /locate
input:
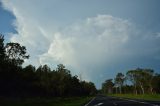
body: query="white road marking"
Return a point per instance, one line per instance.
(90, 102)
(114, 103)
(140, 102)
(99, 104)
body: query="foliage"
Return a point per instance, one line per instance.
(17, 82)
(119, 80)
(107, 86)
(140, 81)
(2, 48)
(72, 101)
(16, 53)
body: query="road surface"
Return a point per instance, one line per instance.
(101, 100)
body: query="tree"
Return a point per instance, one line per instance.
(137, 77)
(2, 48)
(29, 68)
(64, 77)
(88, 88)
(107, 86)
(156, 83)
(2, 53)
(2, 64)
(144, 79)
(149, 74)
(132, 76)
(17, 81)
(119, 80)
(29, 72)
(16, 53)
(141, 78)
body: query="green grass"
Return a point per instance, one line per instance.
(76, 101)
(154, 97)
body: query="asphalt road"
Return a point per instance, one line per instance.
(101, 100)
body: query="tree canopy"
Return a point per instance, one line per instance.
(29, 81)
(140, 81)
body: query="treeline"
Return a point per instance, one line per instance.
(137, 81)
(16, 81)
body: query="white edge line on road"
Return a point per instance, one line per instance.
(141, 102)
(137, 101)
(114, 103)
(90, 102)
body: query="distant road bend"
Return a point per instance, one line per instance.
(101, 100)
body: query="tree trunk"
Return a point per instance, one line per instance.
(142, 88)
(125, 90)
(116, 90)
(120, 89)
(150, 85)
(151, 89)
(135, 89)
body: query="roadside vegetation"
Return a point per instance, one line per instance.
(71, 101)
(57, 86)
(155, 97)
(140, 83)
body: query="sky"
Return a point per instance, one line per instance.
(95, 39)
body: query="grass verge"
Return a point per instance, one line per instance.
(154, 97)
(73, 101)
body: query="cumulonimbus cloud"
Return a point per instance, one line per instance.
(90, 47)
